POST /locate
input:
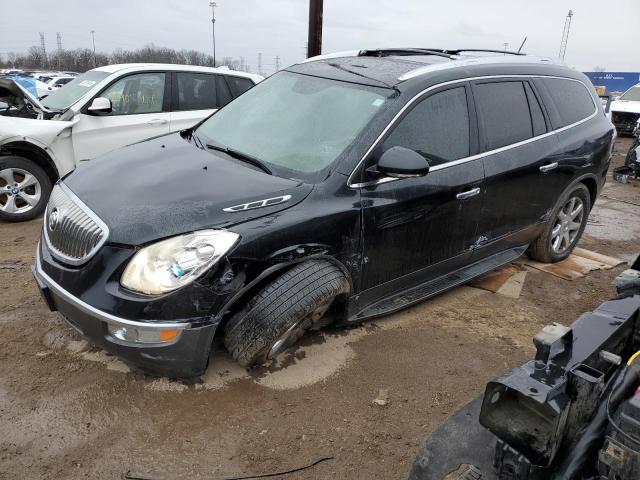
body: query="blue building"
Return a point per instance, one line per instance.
(614, 81)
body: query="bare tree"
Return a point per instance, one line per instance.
(81, 59)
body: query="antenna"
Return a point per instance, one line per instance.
(565, 36)
(59, 40)
(277, 63)
(522, 44)
(260, 64)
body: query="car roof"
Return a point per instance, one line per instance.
(175, 67)
(391, 67)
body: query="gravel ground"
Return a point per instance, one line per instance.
(69, 410)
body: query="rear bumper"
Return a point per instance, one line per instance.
(184, 357)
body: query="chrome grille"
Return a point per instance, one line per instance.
(73, 232)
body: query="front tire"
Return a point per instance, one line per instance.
(24, 189)
(282, 312)
(564, 227)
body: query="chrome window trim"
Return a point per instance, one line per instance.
(61, 256)
(92, 311)
(420, 94)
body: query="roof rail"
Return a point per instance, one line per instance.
(505, 52)
(387, 52)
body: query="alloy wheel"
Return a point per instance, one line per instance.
(20, 191)
(567, 225)
(297, 330)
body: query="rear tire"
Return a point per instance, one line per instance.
(283, 311)
(564, 227)
(24, 189)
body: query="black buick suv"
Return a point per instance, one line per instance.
(340, 189)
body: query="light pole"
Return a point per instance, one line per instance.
(93, 38)
(213, 6)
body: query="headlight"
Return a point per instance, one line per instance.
(175, 262)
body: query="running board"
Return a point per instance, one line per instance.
(426, 290)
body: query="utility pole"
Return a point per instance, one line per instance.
(93, 37)
(260, 64)
(213, 6)
(565, 36)
(314, 45)
(43, 50)
(277, 61)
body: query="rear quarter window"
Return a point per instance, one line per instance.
(572, 100)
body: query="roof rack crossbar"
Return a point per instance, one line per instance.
(387, 52)
(505, 52)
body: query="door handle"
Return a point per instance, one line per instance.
(548, 167)
(157, 121)
(468, 193)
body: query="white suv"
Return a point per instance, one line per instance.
(101, 110)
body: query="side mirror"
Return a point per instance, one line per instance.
(100, 105)
(400, 162)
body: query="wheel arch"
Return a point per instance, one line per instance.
(32, 152)
(269, 274)
(592, 185)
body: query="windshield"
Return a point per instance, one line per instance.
(633, 94)
(74, 90)
(297, 125)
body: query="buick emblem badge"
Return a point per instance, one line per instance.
(54, 218)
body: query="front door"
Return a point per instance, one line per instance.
(417, 229)
(138, 112)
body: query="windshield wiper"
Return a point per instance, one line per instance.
(241, 156)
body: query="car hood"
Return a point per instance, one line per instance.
(13, 93)
(166, 186)
(625, 106)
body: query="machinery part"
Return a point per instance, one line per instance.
(280, 314)
(564, 227)
(568, 414)
(24, 189)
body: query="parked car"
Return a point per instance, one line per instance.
(357, 185)
(53, 84)
(625, 110)
(99, 111)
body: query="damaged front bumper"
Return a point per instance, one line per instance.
(174, 349)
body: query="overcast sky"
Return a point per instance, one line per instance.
(603, 33)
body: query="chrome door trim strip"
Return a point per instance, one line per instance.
(473, 157)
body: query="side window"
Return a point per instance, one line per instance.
(537, 117)
(136, 94)
(573, 101)
(504, 114)
(224, 94)
(437, 128)
(239, 85)
(196, 91)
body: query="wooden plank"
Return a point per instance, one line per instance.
(494, 280)
(598, 257)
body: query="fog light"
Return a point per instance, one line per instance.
(143, 335)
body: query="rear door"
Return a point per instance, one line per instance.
(196, 96)
(417, 229)
(139, 111)
(519, 163)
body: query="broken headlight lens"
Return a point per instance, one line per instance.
(172, 263)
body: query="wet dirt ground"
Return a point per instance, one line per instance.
(68, 410)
